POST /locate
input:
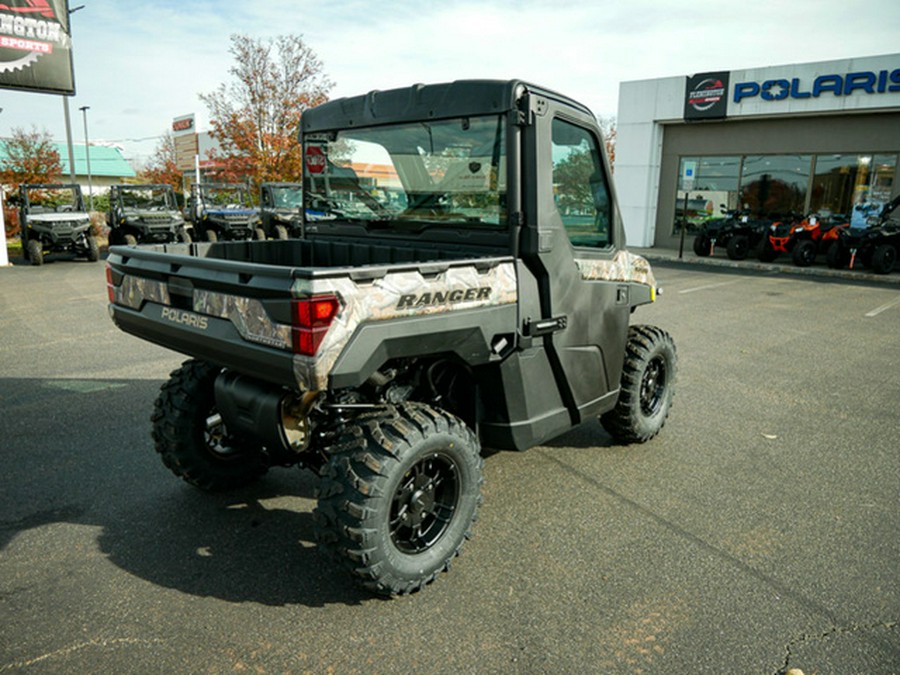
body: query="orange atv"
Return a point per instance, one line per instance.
(803, 240)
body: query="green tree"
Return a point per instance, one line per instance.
(256, 116)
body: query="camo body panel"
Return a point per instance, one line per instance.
(624, 267)
(134, 291)
(247, 315)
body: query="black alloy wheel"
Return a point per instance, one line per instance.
(647, 386)
(191, 438)
(399, 496)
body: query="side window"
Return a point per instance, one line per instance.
(580, 189)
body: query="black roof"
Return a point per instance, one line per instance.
(421, 101)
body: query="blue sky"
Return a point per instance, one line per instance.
(139, 64)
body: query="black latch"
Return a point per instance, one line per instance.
(545, 326)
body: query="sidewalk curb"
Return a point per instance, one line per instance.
(667, 256)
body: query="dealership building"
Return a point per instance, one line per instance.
(813, 137)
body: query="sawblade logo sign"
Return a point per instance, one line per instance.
(35, 46)
(706, 96)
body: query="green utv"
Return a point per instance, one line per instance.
(462, 284)
(144, 214)
(53, 219)
(279, 207)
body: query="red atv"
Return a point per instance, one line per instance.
(803, 240)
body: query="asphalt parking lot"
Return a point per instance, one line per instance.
(757, 533)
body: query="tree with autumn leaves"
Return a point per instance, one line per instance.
(256, 116)
(162, 169)
(31, 157)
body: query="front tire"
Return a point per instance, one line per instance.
(399, 497)
(804, 253)
(765, 253)
(35, 252)
(93, 249)
(884, 259)
(647, 386)
(702, 246)
(191, 438)
(738, 247)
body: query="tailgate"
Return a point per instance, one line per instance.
(256, 319)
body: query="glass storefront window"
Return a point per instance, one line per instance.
(774, 186)
(849, 187)
(709, 183)
(872, 190)
(852, 187)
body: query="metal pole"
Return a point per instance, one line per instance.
(87, 152)
(69, 138)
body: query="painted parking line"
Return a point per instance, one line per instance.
(709, 286)
(884, 307)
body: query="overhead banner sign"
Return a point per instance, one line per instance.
(35, 46)
(706, 96)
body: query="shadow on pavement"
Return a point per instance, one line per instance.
(80, 452)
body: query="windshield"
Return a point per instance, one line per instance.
(287, 197)
(146, 199)
(53, 199)
(424, 173)
(226, 197)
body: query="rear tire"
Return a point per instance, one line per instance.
(647, 386)
(191, 438)
(399, 497)
(837, 256)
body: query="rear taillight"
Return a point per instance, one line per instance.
(311, 319)
(110, 288)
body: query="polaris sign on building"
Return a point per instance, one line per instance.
(813, 137)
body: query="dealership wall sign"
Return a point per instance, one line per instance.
(35, 46)
(706, 96)
(863, 82)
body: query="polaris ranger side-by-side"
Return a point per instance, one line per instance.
(467, 285)
(223, 211)
(53, 220)
(279, 206)
(144, 214)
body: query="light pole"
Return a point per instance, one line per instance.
(65, 98)
(87, 152)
